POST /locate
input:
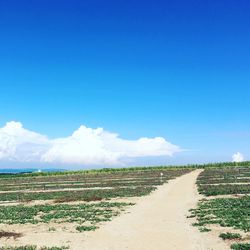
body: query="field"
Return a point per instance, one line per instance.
(71, 203)
(193, 207)
(226, 205)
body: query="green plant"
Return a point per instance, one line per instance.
(79, 213)
(240, 246)
(230, 236)
(28, 247)
(86, 228)
(204, 229)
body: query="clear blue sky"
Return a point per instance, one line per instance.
(176, 69)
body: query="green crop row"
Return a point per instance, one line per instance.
(227, 212)
(66, 185)
(81, 213)
(87, 175)
(210, 190)
(224, 175)
(240, 246)
(224, 181)
(81, 195)
(33, 248)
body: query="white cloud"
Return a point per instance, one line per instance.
(84, 146)
(238, 157)
(19, 144)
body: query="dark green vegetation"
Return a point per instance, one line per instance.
(82, 195)
(86, 228)
(230, 236)
(204, 229)
(235, 180)
(80, 184)
(232, 211)
(33, 248)
(227, 212)
(224, 189)
(240, 246)
(60, 213)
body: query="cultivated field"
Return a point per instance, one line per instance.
(225, 210)
(55, 210)
(193, 208)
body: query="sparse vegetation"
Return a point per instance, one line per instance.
(33, 248)
(204, 229)
(228, 211)
(82, 213)
(230, 236)
(69, 190)
(86, 228)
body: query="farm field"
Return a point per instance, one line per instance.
(194, 208)
(55, 209)
(225, 207)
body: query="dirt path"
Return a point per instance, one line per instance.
(157, 222)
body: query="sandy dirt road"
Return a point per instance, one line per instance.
(157, 222)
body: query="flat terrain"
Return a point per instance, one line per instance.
(157, 222)
(133, 209)
(53, 210)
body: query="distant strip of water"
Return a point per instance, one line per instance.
(27, 170)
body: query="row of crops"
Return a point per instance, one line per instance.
(82, 195)
(85, 186)
(61, 213)
(227, 204)
(224, 181)
(33, 248)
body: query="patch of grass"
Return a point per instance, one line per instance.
(86, 228)
(230, 236)
(240, 246)
(204, 229)
(19, 248)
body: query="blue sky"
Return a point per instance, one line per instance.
(174, 69)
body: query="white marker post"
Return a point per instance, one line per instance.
(161, 175)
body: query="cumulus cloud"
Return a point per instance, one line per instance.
(238, 157)
(84, 146)
(19, 144)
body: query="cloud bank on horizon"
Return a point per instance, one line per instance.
(84, 146)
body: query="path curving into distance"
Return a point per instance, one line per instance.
(156, 222)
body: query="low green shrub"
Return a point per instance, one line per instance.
(86, 228)
(230, 236)
(240, 246)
